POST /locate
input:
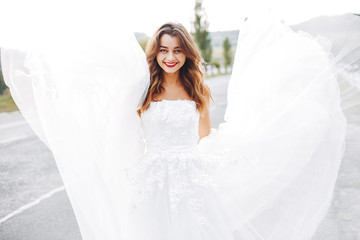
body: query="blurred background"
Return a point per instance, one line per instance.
(34, 204)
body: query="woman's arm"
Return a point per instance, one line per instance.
(205, 123)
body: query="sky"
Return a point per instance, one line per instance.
(228, 14)
(66, 17)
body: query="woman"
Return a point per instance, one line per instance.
(177, 71)
(267, 172)
(172, 199)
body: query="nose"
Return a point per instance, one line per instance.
(170, 56)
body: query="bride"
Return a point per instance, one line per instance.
(132, 138)
(174, 196)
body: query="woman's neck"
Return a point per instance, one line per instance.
(171, 79)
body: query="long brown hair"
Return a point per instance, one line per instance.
(192, 73)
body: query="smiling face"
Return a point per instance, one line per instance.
(170, 56)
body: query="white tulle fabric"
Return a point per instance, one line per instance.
(267, 172)
(287, 120)
(78, 84)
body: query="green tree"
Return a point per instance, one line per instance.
(216, 64)
(227, 53)
(200, 33)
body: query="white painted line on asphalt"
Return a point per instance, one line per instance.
(14, 139)
(13, 124)
(31, 204)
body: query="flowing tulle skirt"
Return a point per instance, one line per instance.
(274, 160)
(175, 197)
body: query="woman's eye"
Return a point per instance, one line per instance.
(178, 51)
(162, 50)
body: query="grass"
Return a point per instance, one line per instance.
(7, 104)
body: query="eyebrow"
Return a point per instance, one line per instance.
(167, 47)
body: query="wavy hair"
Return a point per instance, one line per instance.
(192, 73)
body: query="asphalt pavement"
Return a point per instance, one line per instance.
(35, 206)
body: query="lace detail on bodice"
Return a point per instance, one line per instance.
(171, 124)
(172, 162)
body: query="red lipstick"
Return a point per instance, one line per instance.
(171, 65)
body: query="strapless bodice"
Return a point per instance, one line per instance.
(171, 125)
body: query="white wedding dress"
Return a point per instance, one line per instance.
(268, 171)
(174, 195)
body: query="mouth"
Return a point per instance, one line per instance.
(170, 64)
